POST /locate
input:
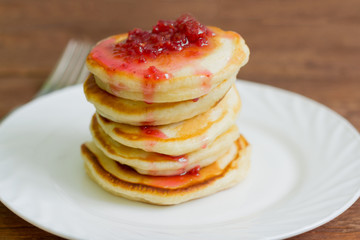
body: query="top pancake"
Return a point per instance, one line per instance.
(191, 73)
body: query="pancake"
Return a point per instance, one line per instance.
(123, 181)
(178, 138)
(150, 163)
(188, 74)
(140, 113)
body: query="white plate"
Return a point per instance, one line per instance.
(305, 172)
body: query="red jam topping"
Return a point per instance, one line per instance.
(146, 54)
(155, 74)
(177, 180)
(166, 36)
(206, 84)
(194, 171)
(152, 131)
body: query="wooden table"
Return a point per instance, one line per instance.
(309, 47)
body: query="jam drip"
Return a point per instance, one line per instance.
(152, 132)
(166, 36)
(194, 171)
(152, 75)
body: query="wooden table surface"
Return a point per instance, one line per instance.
(309, 47)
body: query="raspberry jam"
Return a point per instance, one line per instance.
(153, 74)
(154, 56)
(152, 132)
(195, 171)
(177, 180)
(166, 36)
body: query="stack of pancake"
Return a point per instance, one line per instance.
(164, 131)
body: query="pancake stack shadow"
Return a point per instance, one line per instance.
(169, 152)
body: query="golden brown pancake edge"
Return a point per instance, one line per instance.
(233, 173)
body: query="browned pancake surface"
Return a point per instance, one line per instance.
(169, 190)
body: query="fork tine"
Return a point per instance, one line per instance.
(81, 74)
(75, 66)
(60, 68)
(70, 68)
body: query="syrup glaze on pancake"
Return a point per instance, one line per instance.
(150, 163)
(178, 138)
(140, 113)
(180, 76)
(124, 181)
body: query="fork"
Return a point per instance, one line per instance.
(70, 69)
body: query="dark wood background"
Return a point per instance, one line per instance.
(309, 47)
